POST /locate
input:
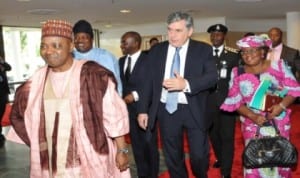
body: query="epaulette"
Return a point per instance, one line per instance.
(231, 49)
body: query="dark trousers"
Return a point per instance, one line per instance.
(144, 147)
(172, 127)
(3, 101)
(222, 138)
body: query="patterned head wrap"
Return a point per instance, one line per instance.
(254, 41)
(57, 28)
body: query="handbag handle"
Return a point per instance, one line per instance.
(273, 124)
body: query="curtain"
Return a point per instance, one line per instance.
(97, 34)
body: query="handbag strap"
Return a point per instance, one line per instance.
(273, 124)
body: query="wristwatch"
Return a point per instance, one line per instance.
(123, 150)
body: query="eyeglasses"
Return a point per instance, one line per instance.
(250, 51)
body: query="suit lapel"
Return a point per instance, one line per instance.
(122, 63)
(222, 53)
(283, 52)
(163, 60)
(188, 60)
(138, 62)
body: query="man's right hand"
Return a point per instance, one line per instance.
(129, 99)
(143, 120)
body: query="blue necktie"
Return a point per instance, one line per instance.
(172, 96)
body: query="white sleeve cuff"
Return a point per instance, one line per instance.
(135, 95)
(187, 88)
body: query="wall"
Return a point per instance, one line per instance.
(110, 38)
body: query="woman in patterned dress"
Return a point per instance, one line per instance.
(243, 84)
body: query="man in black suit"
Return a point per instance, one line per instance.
(278, 50)
(177, 96)
(4, 91)
(133, 68)
(153, 41)
(223, 123)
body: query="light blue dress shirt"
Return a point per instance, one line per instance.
(104, 58)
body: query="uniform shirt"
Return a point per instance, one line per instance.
(220, 48)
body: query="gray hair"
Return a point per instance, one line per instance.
(177, 16)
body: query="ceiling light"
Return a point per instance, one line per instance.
(248, 0)
(125, 11)
(108, 25)
(43, 11)
(23, 0)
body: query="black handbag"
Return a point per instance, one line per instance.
(268, 151)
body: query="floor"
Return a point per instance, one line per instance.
(14, 161)
(14, 158)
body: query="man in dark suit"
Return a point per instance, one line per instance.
(4, 91)
(278, 50)
(223, 123)
(153, 41)
(133, 68)
(176, 94)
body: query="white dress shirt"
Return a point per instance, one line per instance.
(134, 58)
(275, 53)
(220, 48)
(171, 51)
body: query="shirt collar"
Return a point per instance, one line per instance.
(184, 46)
(278, 47)
(135, 55)
(220, 48)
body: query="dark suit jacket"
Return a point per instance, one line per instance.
(200, 71)
(291, 56)
(220, 91)
(4, 88)
(137, 77)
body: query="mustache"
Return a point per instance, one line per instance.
(51, 56)
(80, 44)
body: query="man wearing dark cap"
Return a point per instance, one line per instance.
(223, 123)
(217, 28)
(59, 112)
(83, 40)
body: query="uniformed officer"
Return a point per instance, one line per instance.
(223, 123)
